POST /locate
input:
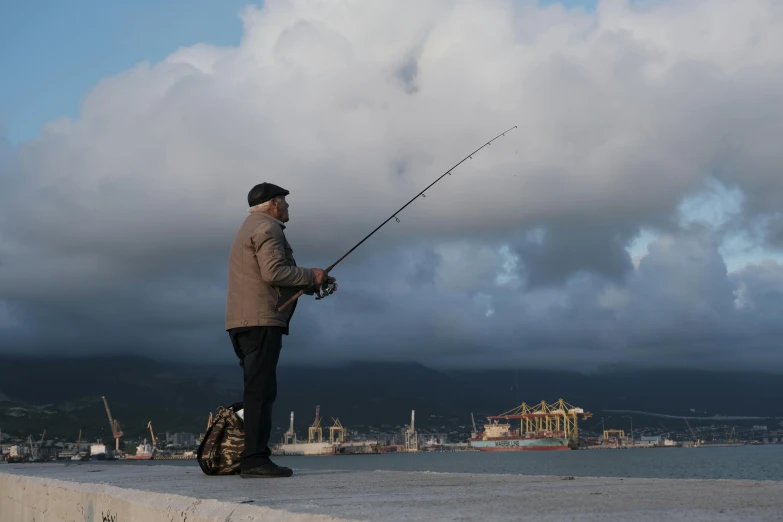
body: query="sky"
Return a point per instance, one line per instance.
(633, 217)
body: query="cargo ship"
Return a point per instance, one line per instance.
(541, 427)
(98, 451)
(500, 437)
(316, 444)
(144, 451)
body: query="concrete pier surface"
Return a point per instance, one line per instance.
(96, 492)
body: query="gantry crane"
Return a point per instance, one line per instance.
(556, 417)
(336, 432)
(289, 437)
(314, 432)
(617, 436)
(115, 425)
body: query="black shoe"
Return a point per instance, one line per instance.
(268, 470)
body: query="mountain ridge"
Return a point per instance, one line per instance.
(361, 394)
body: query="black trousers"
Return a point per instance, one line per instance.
(258, 349)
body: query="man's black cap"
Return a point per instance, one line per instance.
(264, 192)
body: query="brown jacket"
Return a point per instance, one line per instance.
(262, 274)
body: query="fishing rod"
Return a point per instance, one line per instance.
(330, 287)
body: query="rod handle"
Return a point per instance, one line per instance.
(294, 298)
(300, 292)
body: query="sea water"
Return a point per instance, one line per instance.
(761, 462)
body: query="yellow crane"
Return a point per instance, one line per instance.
(152, 434)
(556, 417)
(336, 432)
(617, 436)
(210, 420)
(693, 433)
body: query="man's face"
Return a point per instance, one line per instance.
(280, 209)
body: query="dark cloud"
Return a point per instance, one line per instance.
(554, 253)
(774, 231)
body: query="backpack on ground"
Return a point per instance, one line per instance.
(220, 451)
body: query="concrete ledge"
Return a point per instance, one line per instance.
(150, 493)
(38, 499)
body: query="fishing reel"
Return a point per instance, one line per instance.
(324, 291)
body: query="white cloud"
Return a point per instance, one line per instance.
(508, 275)
(714, 206)
(624, 114)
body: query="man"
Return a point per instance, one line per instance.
(262, 275)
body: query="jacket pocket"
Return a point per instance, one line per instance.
(278, 296)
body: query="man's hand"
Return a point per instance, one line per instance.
(319, 276)
(322, 281)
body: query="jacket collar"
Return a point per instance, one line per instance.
(270, 218)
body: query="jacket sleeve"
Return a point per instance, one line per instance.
(270, 254)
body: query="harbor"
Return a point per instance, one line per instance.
(541, 426)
